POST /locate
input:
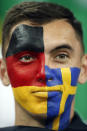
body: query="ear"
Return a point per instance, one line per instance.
(83, 73)
(3, 73)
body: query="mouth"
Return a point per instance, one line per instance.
(45, 89)
(46, 93)
(41, 94)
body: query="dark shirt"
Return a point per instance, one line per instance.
(75, 125)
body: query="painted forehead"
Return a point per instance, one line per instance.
(26, 38)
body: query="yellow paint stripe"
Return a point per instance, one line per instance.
(55, 125)
(67, 90)
(62, 106)
(66, 78)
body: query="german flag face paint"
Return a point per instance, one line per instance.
(38, 88)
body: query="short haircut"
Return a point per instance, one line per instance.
(39, 13)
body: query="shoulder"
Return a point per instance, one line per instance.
(23, 128)
(77, 124)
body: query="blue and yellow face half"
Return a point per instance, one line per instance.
(37, 87)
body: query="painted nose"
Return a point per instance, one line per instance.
(51, 76)
(41, 70)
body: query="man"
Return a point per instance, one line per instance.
(43, 59)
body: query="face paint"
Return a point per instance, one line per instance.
(50, 91)
(26, 38)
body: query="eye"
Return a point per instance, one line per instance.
(62, 57)
(27, 58)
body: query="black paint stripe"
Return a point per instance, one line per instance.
(26, 38)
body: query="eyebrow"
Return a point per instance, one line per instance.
(63, 46)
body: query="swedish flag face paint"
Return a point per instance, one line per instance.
(38, 88)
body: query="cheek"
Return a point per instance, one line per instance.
(22, 74)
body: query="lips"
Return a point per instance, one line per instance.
(34, 89)
(44, 91)
(40, 94)
(44, 94)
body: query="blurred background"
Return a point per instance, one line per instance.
(79, 8)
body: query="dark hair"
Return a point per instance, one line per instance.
(39, 13)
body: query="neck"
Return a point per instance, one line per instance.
(26, 119)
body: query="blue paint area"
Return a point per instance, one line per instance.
(74, 76)
(65, 117)
(54, 75)
(53, 78)
(53, 106)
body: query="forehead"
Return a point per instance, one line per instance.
(60, 32)
(55, 33)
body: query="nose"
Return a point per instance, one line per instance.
(53, 76)
(50, 77)
(41, 69)
(46, 76)
(49, 74)
(48, 71)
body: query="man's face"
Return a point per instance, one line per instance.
(31, 48)
(36, 52)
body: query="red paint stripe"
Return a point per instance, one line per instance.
(26, 74)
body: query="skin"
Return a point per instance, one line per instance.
(62, 49)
